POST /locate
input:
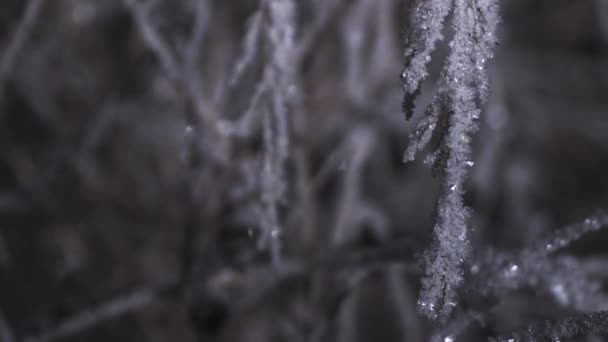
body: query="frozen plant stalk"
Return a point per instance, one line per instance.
(278, 81)
(452, 116)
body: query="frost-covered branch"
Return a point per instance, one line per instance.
(565, 278)
(569, 280)
(563, 237)
(426, 26)
(557, 330)
(279, 80)
(463, 86)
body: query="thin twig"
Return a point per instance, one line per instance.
(20, 38)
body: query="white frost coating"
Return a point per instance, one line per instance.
(453, 116)
(426, 25)
(279, 78)
(563, 237)
(562, 277)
